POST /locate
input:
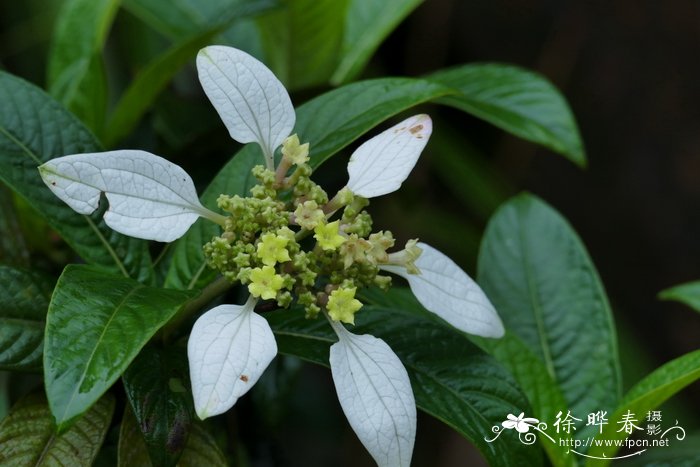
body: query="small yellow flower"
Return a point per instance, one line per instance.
(342, 305)
(308, 215)
(265, 282)
(327, 236)
(295, 152)
(271, 249)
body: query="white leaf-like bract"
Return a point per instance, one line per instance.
(228, 350)
(375, 395)
(445, 289)
(380, 165)
(251, 101)
(149, 197)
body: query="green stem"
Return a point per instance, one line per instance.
(209, 293)
(214, 217)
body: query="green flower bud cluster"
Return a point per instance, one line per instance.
(266, 242)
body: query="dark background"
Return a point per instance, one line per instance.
(630, 71)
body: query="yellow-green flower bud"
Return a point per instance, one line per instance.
(354, 250)
(407, 257)
(380, 241)
(309, 215)
(293, 151)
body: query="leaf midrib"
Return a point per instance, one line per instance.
(99, 341)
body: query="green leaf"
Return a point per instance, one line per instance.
(201, 449)
(329, 122)
(97, 323)
(538, 385)
(367, 24)
(452, 379)
(23, 306)
(679, 454)
(189, 17)
(688, 294)
(33, 129)
(140, 95)
(13, 248)
(157, 385)
(518, 101)
(132, 449)
(76, 75)
(530, 373)
(648, 394)
(538, 275)
(27, 435)
(302, 40)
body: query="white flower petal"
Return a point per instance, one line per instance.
(229, 348)
(149, 197)
(509, 424)
(443, 288)
(251, 101)
(381, 164)
(376, 397)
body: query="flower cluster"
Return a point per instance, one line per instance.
(288, 242)
(282, 243)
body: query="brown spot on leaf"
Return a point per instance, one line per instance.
(416, 129)
(244, 378)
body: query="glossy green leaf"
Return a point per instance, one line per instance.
(451, 378)
(684, 453)
(518, 101)
(97, 323)
(649, 394)
(302, 40)
(13, 248)
(538, 275)
(76, 75)
(132, 449)
(33, 129)
(23, 306)
(28, 437)
(147, 85)
(157, 385)
(329, 123)
(367, 24)
(185, 18)
(688, 294)
(530, 373)
(201, 449)
(542, 391)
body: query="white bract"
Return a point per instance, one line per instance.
(250, 100)
(380, 165)
(375, 394)
(230, 346)
(443, 288)
(149, 197)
